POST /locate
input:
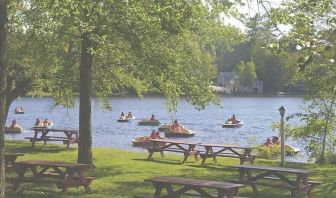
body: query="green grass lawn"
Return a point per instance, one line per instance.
(120, 173)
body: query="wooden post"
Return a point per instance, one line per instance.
(282, 111)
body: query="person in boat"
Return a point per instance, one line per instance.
(275, 140)
(268, 142)
(13, 125)
(228, 121)
(152, 118)
(176, 126)
(122, 116)
(233, 119)
(17, 109)
(38, 122)
(46, 122)
(153, 135)
(129, 115)
(157, 135)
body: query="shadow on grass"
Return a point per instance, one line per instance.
(162, 161)
(26, 147)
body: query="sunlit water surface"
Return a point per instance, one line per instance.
(258, 114)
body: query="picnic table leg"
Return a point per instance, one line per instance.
(228, 193)
(20, 172)
(35, 136)
(69, 136)
(247, 156)
(84, 182)
(190, 149)
(206, 154)
(293, 193)
(158, 190)
(213, 155)
(162, 154)
(44, 137)
(241, 174)
(151, 152)
(249, 175)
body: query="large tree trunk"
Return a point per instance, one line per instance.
(85, 137)
(3, 88)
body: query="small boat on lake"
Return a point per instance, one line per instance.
(164, 127)
(149, 122)
(19, 110)
(291, 150)
(143, 141)
(229, 124)
(180, 133)
(13, 130)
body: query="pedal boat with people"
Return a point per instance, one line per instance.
(13, 130)
(144, 142)
(126, 119)
(149, 122)
(229, 124)
(169, 132)
(19, 111)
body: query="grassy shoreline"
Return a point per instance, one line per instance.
(120, 173)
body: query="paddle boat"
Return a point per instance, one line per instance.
(13, 130)
(182, 132)
(126, 119)
(143, 141)
(291, 150)
(19, 110)
(229, 124)
(164, 127)
(149, 122)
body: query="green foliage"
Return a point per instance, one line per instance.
(311, 39)
(246, 72)
(138, 45)
(268, 152)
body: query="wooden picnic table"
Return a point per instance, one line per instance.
(296, 180)
(63, 174)
(70, 136)
(169, 145)
(224, 189)
(10, 159)
(222, 150)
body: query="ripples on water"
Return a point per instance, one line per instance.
(258, 114)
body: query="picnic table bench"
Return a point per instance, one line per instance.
(161, 145)
(221, 150)
(296, 180)
(10, 159)
(64, 175)
(194, 187)
(70, 136)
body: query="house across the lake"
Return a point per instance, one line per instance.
(228, 83)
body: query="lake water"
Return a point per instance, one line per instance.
(258, 114)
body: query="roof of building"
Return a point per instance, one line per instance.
(225, 77)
